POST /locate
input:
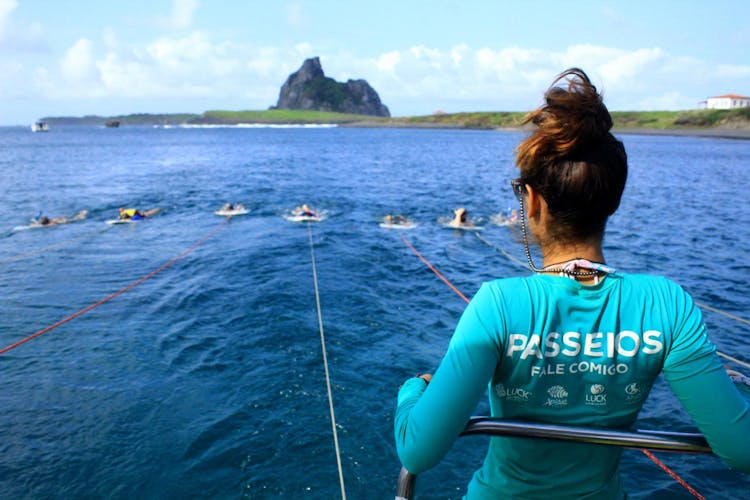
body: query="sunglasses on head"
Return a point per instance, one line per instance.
(519, 187)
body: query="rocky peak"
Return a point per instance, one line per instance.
(309, 89)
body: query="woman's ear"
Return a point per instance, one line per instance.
(534, 202)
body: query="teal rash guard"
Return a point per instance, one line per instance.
(556, 351)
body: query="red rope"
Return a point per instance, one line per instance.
(673, 475)
(658, 462)
(445, 280)
(117, 293)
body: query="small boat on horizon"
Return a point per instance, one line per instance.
(39, 127)
(112, 124)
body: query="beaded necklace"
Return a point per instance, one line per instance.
(570, 269)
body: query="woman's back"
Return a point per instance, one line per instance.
(577, 355)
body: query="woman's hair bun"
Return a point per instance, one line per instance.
(572, 117)
(571, 158)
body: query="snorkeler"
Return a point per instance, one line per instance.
(44, 221)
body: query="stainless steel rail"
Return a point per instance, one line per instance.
(652, 440)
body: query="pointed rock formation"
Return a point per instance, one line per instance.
(309, 89)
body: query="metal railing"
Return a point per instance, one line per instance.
(652, 440)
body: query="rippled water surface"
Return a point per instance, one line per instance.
(207, 379)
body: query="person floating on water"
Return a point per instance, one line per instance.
(460, 218)
(396, 220)
(229, 207)
(304, 211)
(575, 343)
(135, 214)
(513, 217)
(130, 213)
(510, 218)
(44, 221)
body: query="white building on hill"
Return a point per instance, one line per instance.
(728, 101)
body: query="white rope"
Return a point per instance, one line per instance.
(730, 358)
(699, 304)
(719, 311)
(509, 256)
(325, 363)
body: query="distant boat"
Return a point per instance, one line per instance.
(40, 127)
(112, 123)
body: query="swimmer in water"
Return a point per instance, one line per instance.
(135, 214)
(460, 218)
(304, 211)
(396, 220)
(44, 221)
(130, 213)
(228, 207)
(511, 219)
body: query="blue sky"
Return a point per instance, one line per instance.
(77, 57)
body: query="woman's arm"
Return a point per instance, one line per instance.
(700, 382)
(430, 417)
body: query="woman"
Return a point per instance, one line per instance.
(576, 343)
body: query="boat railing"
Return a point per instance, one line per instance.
(643, 439)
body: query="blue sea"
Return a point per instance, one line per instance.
(207, 380)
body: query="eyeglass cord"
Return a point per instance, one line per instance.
(566, 268)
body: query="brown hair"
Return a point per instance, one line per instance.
(572, 159)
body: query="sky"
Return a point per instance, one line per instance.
(78, 57)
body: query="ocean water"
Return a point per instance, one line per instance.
(207, 380)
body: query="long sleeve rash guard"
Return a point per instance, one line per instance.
(550, 349)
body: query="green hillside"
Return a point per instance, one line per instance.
(278, 116)
(702, 118)
(660, 120)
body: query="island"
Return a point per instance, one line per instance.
(308, 96)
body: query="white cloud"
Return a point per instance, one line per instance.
(78, 63)
(19, 36)
(410, 80)
(387, 62)
(6, 9)
(458, 53)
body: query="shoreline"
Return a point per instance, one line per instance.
(720, 133)
(717, 133)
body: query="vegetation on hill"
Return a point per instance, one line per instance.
(477, 120)
(701, 118)
(293, 116)
(662, 120)
(271, 116)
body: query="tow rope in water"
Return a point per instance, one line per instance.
(325, 362)
(117, 293)
(658, 462)
(699, 304)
